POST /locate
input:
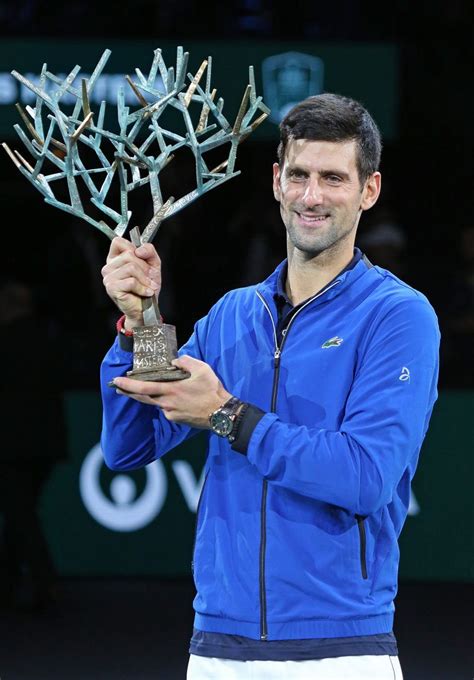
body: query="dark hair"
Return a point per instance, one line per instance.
(333, 118)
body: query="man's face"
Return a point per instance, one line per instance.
(320, 194)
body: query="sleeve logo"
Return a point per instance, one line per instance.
(404, 375)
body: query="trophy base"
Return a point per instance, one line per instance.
(163, 374)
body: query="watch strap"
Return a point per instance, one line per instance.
(238, 419)
(230, 404)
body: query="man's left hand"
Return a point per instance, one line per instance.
(189, 401)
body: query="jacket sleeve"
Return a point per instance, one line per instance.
(359, 466)
(135, 434)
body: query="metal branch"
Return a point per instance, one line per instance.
(194, 83)
(123, 154)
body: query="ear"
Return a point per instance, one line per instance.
(371, 191)
(276, 181)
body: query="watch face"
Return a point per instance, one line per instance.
(221, 424)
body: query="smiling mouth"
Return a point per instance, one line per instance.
(311, 219)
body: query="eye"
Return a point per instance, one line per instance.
(333, 179)
(296, 174)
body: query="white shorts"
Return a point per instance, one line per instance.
(340, 668)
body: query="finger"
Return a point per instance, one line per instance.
(170, 414)
(141, 387)
(148, 253)
(122, 259)
(125, 289)
(137, 397)
(129, 287)
(187, 363)
(119, 279)
(120, 245)
(122, 250)
(160, 402)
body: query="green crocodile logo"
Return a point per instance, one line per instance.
(332, 342)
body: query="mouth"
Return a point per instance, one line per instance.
(311, 219)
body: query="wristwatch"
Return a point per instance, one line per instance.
(223, 419)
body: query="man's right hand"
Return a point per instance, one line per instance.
(131, 274)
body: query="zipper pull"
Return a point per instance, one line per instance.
(276, 357)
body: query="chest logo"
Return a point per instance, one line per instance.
(332, 342)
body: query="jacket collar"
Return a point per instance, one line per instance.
(356, 268)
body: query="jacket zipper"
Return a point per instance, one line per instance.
(263, 543)
(263, 512)
(363, 545)
(197, 519)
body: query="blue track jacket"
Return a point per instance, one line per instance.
(298, 538)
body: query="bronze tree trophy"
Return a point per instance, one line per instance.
(135, 154)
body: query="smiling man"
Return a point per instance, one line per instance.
(320, 194)
(317, 387)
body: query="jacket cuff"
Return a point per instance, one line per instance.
(125, 342)
(247, 425)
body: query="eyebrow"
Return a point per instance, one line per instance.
(324, 173)
(339, 173)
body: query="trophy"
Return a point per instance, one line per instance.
(133, 156)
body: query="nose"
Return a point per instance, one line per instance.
(313, 194)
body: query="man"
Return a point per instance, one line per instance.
(320, 383)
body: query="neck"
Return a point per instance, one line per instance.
(307, 276)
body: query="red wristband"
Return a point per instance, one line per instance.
(121, 328)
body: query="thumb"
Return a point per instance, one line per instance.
(187, 363)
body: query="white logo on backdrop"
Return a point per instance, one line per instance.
(190, 486)
(123, 511)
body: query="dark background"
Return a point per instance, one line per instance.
(427, 178)
(207, 249)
